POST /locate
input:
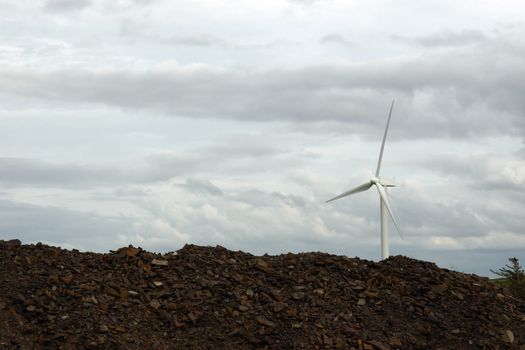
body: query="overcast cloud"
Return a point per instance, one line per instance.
(160, 123)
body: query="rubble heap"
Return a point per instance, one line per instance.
(214, 298)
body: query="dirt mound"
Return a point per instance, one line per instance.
(213, 298)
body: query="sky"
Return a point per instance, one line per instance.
(230, 122)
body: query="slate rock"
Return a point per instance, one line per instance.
(210, 297)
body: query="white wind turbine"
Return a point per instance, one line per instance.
(382, 186)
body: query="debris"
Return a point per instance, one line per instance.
(395, 342)
(67, 279)
(508, 337)
(154, 304)
(13, 243)
(265, 322)
(298, 295)
(379, 345)
(204, 297)
(131, 252)
(159, 262)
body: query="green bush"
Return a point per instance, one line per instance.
(512, 277)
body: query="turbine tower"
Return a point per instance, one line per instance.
(382, 187)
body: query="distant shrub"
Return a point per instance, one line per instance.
(512, 277)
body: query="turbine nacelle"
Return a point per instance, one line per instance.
(383, 182)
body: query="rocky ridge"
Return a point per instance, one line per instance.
(214, 298)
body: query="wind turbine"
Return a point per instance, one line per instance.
(382, 187)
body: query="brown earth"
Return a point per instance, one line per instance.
(214, 298)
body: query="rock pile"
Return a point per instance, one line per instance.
(213, 298)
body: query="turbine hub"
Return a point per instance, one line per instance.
(387, 182)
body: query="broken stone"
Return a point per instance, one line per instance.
(477, 287)
(439, 289)
(458, 295)
(361, 302)
(154, 304)
(298, 295)
(131, 252)
(67, 279)
(13, 243)
(395, 341)
(261, 264)
(508, 337)
(278, 307)
(112, 292)
(371, 294)
(208, 301)
(123, 293)
(265, 322)
(193, 317)
(378, 345)
(159, 262)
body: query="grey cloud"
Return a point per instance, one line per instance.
(211, 41)
(488, 172)
(444, 93)
(60, 226)
(197, 40)
(446, 38)
(132, 192)
(305, 2)
(165, 167)
(479, 261)
(334, 39)
(202, 186)
(421, 216)
(290, 199)
(241, 155)
(41, 173)
(245, 146)
(66, 5)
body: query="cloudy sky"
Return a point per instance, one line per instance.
(158, 123)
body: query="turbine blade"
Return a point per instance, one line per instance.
(358, 189)
(384, 197)
(384, 139)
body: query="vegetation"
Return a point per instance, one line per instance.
(512, 276)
